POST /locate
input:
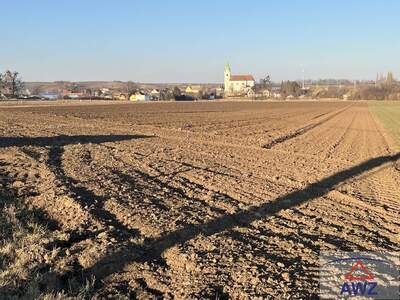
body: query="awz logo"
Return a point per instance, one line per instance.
(359, 289)
(359, 285)
(355, 275)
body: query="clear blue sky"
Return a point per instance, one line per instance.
(189, 41)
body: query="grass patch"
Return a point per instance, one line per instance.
(22, 248)
(389, 114)
(33, 261)
(26, 261)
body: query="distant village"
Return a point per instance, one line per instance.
(130, 92)
(120, 91)
(234, 86)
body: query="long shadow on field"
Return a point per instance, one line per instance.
(153, 249)
(63, 140)
(83, 196)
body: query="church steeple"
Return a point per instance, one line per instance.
(227, 70)
(227, 76)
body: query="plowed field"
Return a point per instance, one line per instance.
(192, 200)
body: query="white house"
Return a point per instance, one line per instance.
(236, 85)
(155, 94)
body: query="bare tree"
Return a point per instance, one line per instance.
(131, 87)
(1, 84)
(265, 83)
(12, 83)
(389, 79)
(166, 94)
(292, 88)
(177, 91)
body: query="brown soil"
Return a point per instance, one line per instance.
(202, 200)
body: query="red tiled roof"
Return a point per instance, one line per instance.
(242, 78)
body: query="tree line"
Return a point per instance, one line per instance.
(11, 84)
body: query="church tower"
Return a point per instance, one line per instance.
(227, 77)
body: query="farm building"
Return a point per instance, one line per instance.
(250, 93)
(155, 94)
(72, 94)
(193, 89)
(140, 97)
(119, 96)
(49, 95)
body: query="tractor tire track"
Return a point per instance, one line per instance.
(302, 130)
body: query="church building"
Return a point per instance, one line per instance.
(237, 85)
